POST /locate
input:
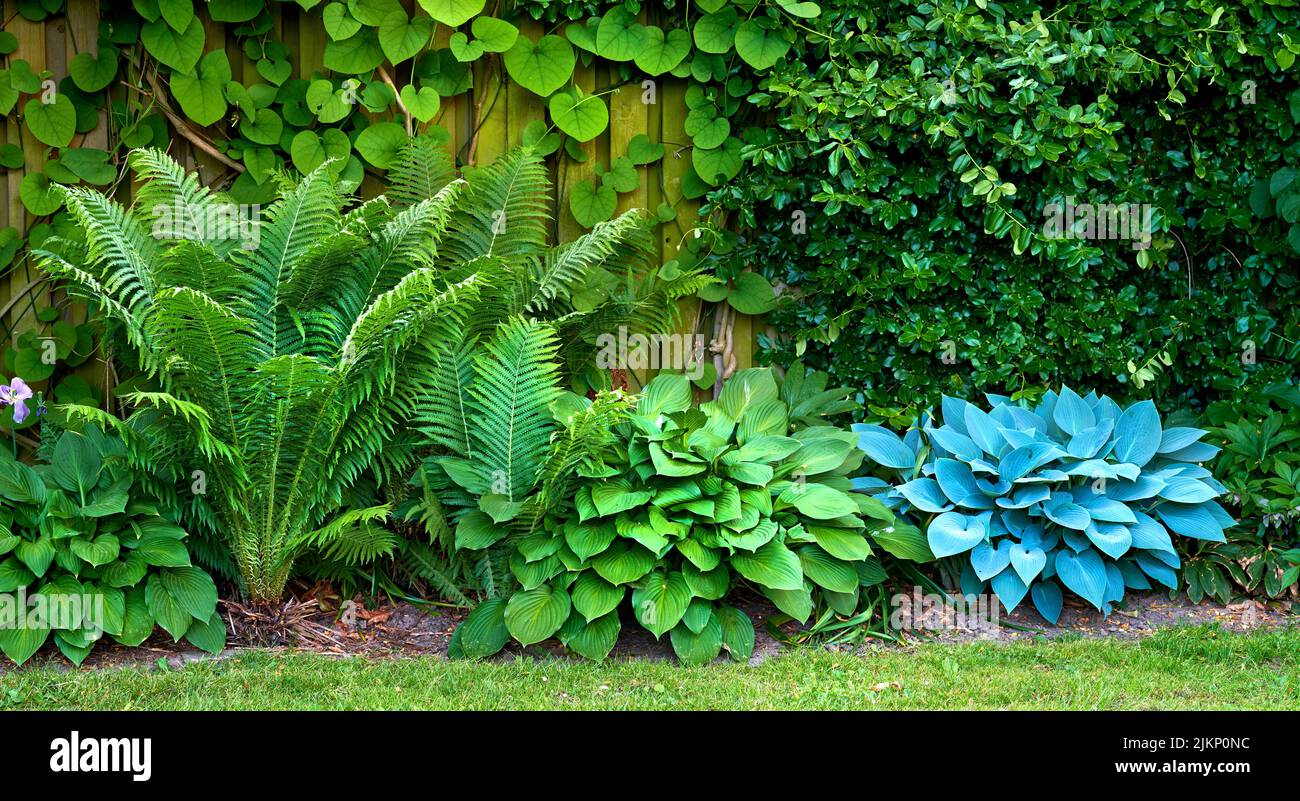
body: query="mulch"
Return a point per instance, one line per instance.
(405, 629)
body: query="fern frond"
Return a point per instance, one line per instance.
(422, 168)
(506, 212)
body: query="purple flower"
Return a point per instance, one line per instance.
(15, 395)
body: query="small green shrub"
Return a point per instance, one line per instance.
(690, 502)
(77, 536)
(1074, 492)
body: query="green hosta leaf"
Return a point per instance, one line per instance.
(137, 622)
(711, 585)
(621, 563)
(37, 555)
(380, 143)
(594, 597)
(99, 551)
(582, 116)
(208, 635)
(827, 571)
(484, 632)
(91, 73)
(202, 94)
(660, 601)
(20, 643)
(842, 543)
(773, 565)
(542, 66)
(402, 38)
(619, 37)
(453, 12)
(192, 589)
(534, 615)
(660, 52)
(126, 572)
(611, 497)
(13, 574)
(165, 610)
(760, 43)
(819, 501)
(737, 632)
(594, 639)
(698, 649)
(53, 123)
(163, 551)
(178, 50)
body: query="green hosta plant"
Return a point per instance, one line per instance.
(751, 488)
(1074, 493)
(82, 555)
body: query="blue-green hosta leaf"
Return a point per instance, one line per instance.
(1084, 574)
(1145, 487)
(1009, 588)
(1156, 569)
(773, 566)
(989, 560)
(737, 632)
(1191, 521)
(1064, 512)
(1072, 413)
(1027, 562)
(1104, 508)
(958, 483)
(952, 533)
(925, 494)
(1025, 498)
(1187, 490)
(1137, 433)
(957, 444)
(1111, 539)
(884, 447)
(534, 615)
(1114, 583)
(1150, 535)
(1134, 578)
(660, 601)
(1088, 442)
(983, 430)
(1047, 600)
(1175, 439)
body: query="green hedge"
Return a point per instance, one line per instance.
(920, 142)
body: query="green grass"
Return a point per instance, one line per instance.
(1188, 668)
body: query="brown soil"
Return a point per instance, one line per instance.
(404, 629)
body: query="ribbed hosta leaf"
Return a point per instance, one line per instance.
(660, 601)
(534, 615)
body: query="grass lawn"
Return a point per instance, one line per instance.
(1186, 668)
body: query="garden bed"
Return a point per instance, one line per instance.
(406, 630)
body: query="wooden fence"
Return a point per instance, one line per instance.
(501, 109)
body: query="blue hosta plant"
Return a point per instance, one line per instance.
(1074, 494)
